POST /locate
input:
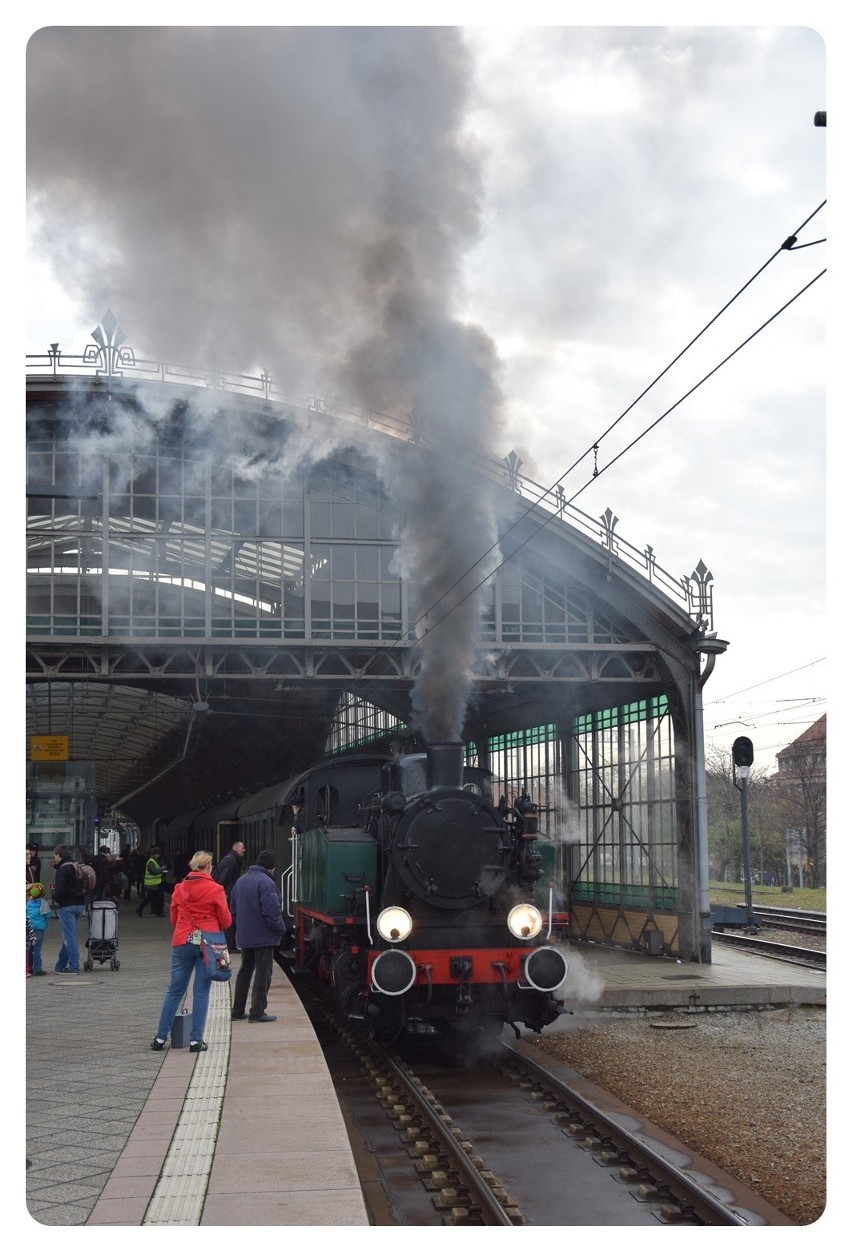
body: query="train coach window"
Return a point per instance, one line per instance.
(328, 805)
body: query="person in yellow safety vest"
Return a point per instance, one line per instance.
(152, 884)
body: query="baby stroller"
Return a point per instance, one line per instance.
(103, 934)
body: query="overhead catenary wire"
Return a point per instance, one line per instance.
(602, 469)
(753, 718)
(786, 246)
(765, 682)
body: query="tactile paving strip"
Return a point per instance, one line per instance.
(179, 1196)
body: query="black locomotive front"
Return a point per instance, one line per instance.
(454, 934)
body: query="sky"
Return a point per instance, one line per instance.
(565, 208)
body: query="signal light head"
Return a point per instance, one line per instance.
(743, 751)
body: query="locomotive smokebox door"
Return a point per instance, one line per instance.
(449, 852)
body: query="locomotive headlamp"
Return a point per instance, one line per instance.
(394, 924)
(524, 921)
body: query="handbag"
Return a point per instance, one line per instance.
(215, 955)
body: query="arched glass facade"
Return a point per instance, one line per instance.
(187, 550)
(157, 545)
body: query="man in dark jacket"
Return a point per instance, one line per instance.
(226, 874)
(256, 907)
(71, 905)
(101, 866)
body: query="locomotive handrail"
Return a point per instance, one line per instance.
(292, 893)
(367, 904)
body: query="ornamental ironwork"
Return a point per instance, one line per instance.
(699, 590)
(513, 464)
(109, 353)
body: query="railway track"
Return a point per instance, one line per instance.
(814, 958)
(501, 1140)
(807, 931)
(802, 920)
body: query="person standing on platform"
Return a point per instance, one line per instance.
(226, 874)
(153, 884)
(38, 921)
(101, 866)
(117, 881)
(71, 905)
(127, 867)
(260, 927)
(136, 861)
(197, 904)
(181, 866)
(33, 863)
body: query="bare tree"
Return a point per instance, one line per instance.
(724, 822)
(802, 787)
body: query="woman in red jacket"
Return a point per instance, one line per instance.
(198, 903)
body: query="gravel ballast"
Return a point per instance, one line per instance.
(745, 1089)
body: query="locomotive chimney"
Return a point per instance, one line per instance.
(444, 764)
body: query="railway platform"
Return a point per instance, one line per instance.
(249, 1133)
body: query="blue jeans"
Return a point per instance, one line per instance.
(69, 953)
(186, 957)
(35, 952)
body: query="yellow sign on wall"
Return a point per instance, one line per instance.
(48, 747)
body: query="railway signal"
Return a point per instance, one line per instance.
(742, 754)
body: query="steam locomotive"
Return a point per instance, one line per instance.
(419, 902)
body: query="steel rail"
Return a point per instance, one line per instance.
(777, 951)
(791, 919)
(707, 1207)
(483, 1199)
(470, 1175)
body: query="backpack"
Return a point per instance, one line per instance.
(87, 879)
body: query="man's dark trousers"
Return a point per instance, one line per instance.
(257, 961)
